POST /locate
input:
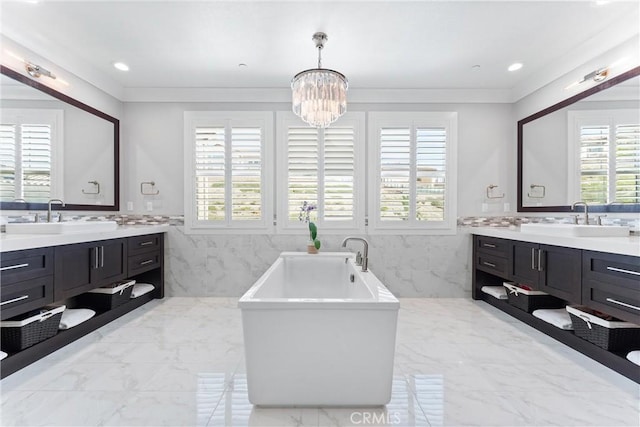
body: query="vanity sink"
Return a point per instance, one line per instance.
(61, 227)
(576, 230)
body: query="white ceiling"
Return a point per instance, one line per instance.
(376, 44)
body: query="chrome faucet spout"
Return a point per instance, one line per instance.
(586, 210)
(49, 207)
(365, 250)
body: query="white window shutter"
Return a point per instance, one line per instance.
(209, 157)
(627, 163)
(246, 171)
(302, 169)
(339, 174)
(594, 163)
(395, 173)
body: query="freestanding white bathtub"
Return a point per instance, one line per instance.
(319, 332)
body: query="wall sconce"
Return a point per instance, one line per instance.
(35, 70)
(596, 75)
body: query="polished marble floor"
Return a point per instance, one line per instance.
(179, 362)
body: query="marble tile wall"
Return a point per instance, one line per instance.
(227, 265)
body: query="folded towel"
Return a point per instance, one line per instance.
(75, 316)
(495, 291)
(558, 317)
(140, 289)
(634, 357)
(3, 355)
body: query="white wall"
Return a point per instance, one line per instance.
(152, 150)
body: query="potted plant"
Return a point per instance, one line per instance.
(314, 244)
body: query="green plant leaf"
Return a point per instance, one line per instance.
(313, 230)
(316, 243)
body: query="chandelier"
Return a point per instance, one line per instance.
(319, 95)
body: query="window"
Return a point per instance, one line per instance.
(229, 170)
(606, 146)
(413, 172)
(324, 167)
(30, 155)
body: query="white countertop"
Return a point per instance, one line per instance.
(629, 245)
(16, 242)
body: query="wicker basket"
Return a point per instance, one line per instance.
(530, 301)
(107, 297)
(612, 335)
(30, 328)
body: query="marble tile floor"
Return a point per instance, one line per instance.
(179, 362)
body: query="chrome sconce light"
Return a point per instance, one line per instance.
(35, 70)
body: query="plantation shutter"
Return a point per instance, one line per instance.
(8, 190)
(431, 156)
(302, 167)
(339, 174)
(36, 162)
(627, 163)
(594, 163)
(395, 173)
(209, 159)
(246, 171)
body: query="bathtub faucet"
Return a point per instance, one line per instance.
(365, 251)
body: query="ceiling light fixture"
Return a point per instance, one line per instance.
(35, 70)
(121, 66)
(515, 66)
(319, 95)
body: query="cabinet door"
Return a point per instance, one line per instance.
(524, 263)
(561, 272)
(73, 267)
(110, 262)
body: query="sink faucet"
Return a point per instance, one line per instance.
(586, 211)
(365, 251)
(49, 207)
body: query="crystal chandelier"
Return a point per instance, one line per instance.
(319, 94)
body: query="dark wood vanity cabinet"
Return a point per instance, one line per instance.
(33, 278)
(602, 281)
(552, 269)
(612, 284)
(83, 266)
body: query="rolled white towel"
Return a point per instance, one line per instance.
(558, 317)
(3, 355)
(75, 316)
(140, 289)
(634, 357)
(495, 291)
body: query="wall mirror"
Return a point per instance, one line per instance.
(584, 148)
(54, 146)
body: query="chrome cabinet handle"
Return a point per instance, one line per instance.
(14, 300)
(146, 243)
(533, 259)
(102, 256)
(95, 257)
(149, 261)
(624, 304)
(621, 270)
(539, 259)
(488, 264)
(488, 245)
(13, 267)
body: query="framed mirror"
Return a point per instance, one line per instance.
(55, 147)
(585, 148)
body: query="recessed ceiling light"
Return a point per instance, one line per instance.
(515, 66)
(242, 65)
(475, 68)
(121, 66)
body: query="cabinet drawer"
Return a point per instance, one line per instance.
(618, 301)
(492, 264)
(144, 262)
(621, 270)
(20, 297)
(18, 266)
(493, 246)
(143, 244)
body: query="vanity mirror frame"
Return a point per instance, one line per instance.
(592, 208)
(116, 148)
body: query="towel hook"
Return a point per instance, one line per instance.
(490, 188)
(97, 184)
(532, 187)
(152, 184)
